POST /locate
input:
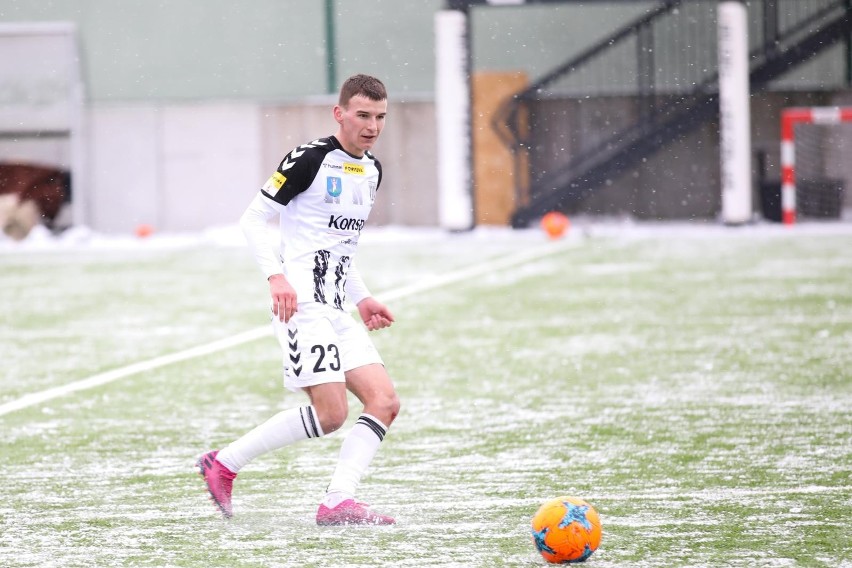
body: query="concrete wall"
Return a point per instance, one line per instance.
(191, 103)
(185, 167)
(139, 50)
(407, 150)
(176, 167)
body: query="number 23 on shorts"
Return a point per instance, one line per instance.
(328, 358)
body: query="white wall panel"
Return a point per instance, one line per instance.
(211, 158)
(187, 167)
(122, 169)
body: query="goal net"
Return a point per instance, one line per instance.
(816, 175)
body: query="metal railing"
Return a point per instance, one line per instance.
(661, 69)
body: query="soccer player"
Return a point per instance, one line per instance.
(322, 193)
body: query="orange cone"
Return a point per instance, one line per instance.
(144, 230)
(555, 224)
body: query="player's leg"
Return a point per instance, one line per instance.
(373, 387)
(368, 380)
(285, 428)
(305, 368)
(330, 403)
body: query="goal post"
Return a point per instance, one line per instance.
(790, 118)
(452, 107)
(734, 112)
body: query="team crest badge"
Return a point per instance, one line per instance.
(333, 189)
(334, 185)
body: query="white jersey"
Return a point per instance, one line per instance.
(324, 196)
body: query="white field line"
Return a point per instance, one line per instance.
(35, 398)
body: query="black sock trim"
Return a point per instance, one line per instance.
(309, 423)
(377, 428)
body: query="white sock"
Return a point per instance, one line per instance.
(335, 498)
(281, 430)
(356, 453)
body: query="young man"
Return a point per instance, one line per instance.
(322, 193)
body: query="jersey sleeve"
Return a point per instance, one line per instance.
(355, 288)
(295, 173)
(255, 225)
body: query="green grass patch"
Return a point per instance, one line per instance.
(694, 386)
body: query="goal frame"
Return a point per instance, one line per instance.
(790, 117)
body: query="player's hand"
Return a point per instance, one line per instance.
(374, 314)
(283, 297)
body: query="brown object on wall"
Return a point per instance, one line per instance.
(494, 184)
(31, 195)
(47, 187)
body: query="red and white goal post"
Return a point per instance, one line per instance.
(790, 117)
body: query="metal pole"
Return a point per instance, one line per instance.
(468, 71)
(452, 104)
(734, 112)
(849, 46)
(645, 68)
(330, 48)
(770, 25)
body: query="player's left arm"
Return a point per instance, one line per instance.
(374, 314)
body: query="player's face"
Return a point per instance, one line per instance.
(361, 121)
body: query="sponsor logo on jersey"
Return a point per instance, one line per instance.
(332, 166)
(356, 169)
(342, 223)
(274, 183)
(334, 185)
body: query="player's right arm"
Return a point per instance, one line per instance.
(293, 176)
(284, 301)
(254, 223)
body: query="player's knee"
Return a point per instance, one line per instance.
(394, 406)
(332, 417)
(332, 423)
(386, 407)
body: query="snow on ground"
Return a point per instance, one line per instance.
(84, 238)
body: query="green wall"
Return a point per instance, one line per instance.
(538, 37)
(276, 49)
(392, 39)
(266, 49)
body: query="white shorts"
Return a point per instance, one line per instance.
(320, 344)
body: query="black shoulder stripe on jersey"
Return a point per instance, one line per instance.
(378, 167)
(299, 168)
